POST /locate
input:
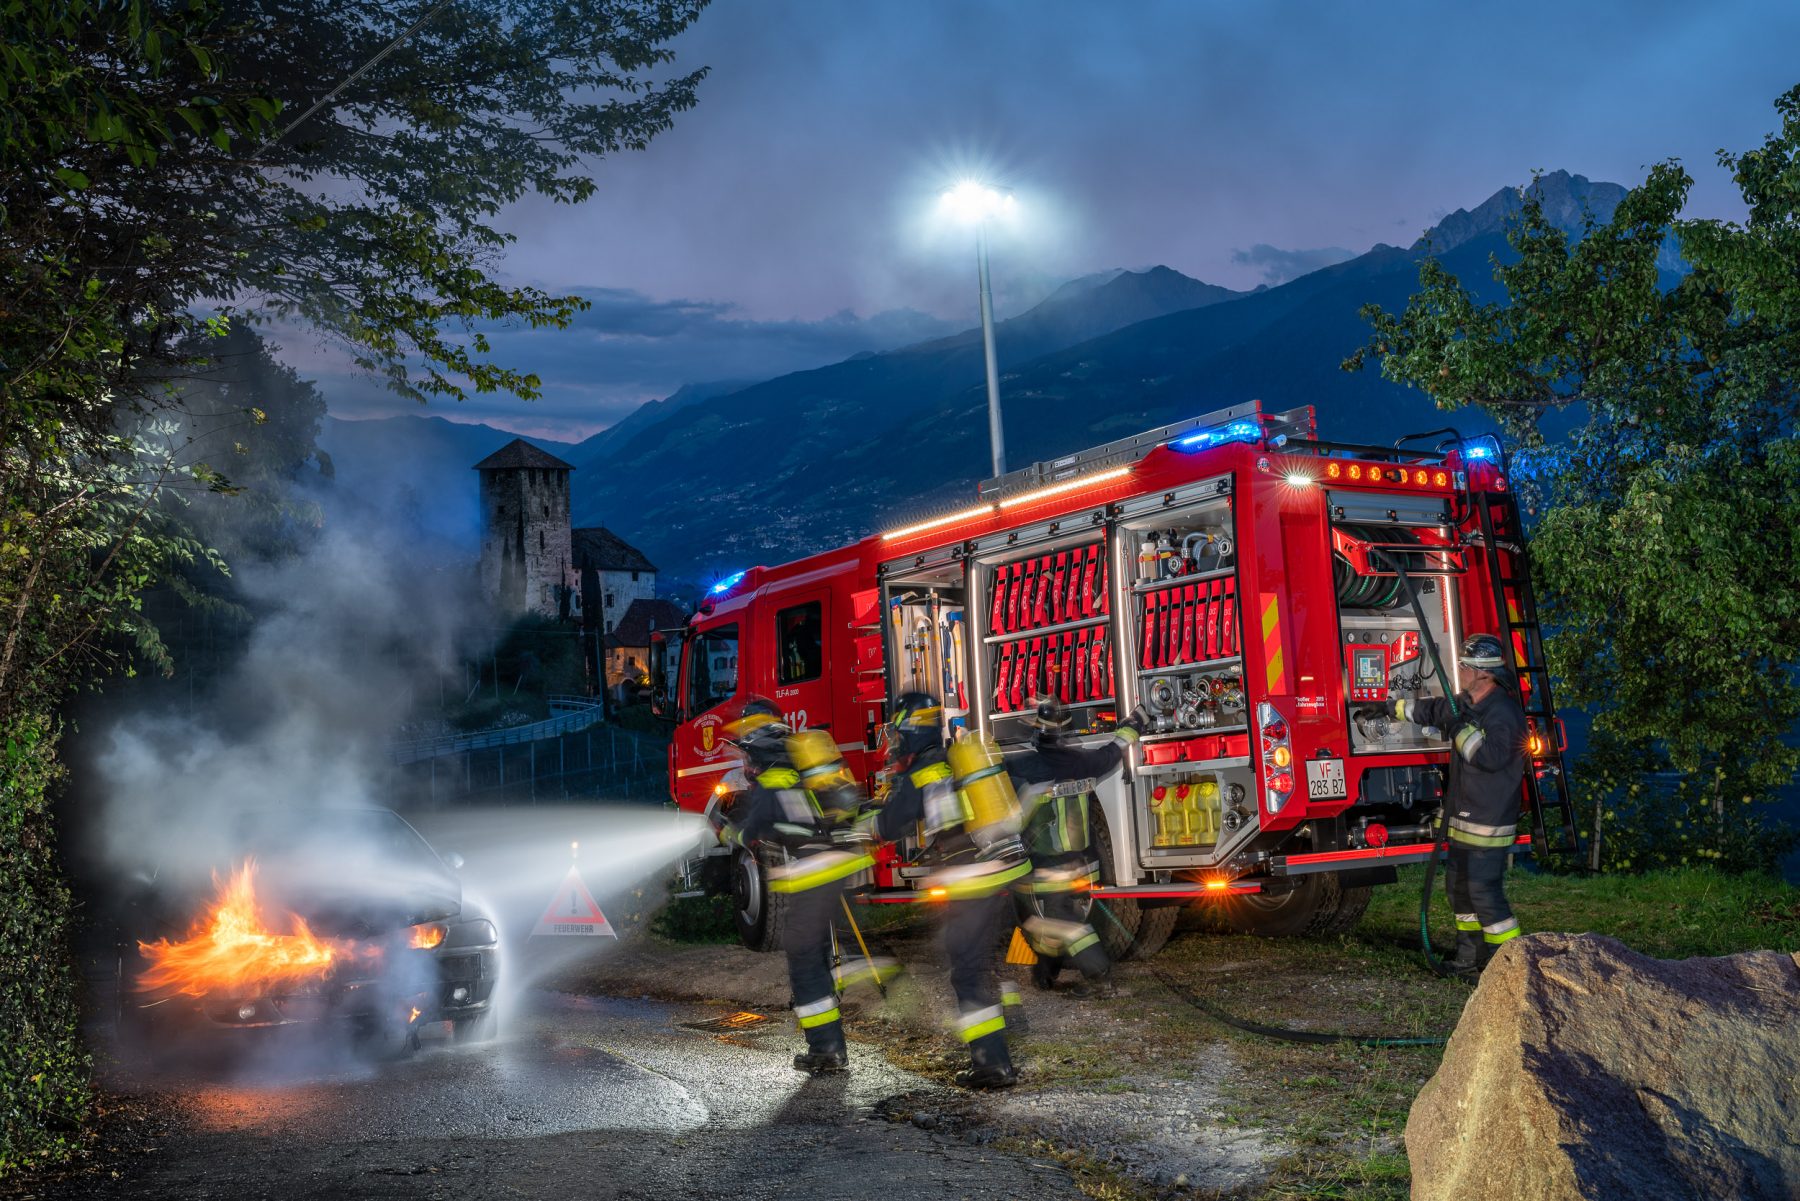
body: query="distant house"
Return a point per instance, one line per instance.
(612, 574)
(525, 530)
(628, 646)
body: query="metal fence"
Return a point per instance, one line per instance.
(571, 714)
(596, 763)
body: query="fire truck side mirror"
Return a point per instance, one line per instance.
(665, 669)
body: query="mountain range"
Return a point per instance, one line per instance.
(720, 476)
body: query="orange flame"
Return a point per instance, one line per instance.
(230, 951)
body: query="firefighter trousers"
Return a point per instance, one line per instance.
(1484, 919)
(1057, 927)
(806, 937)
(971, 935)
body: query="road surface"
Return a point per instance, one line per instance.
(580, 1097)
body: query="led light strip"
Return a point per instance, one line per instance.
(989, 510)
(1066, 486)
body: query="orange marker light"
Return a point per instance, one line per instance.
(1421, 476)
(938, 894)
(1282, 756)
(1332, 470)
(1215, 885)
(1355, 472)
(1441, 479)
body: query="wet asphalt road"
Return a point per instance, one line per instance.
(579, 1097)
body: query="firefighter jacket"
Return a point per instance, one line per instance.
(1484, 794)
(1056, 785)
(777, 810)
(924, 798)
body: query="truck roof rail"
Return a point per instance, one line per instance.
(1294, 424)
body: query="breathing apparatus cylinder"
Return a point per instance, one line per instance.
(823, 771)
(979, 774)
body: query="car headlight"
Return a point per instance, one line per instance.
(427, 935)
(478, 933)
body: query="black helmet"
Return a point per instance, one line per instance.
(1051, 720)
(915, 725)
(759, 735)
(1483, 652)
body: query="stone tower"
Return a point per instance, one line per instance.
(525, 530)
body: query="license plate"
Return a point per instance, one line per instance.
(1325, 779)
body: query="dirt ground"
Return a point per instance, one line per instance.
(1141, 1094)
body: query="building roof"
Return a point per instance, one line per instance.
(601, 549)
(641, 617)
(520, 453)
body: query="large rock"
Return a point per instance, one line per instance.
(1583, 1069)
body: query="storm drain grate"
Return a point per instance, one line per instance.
(742, 1020)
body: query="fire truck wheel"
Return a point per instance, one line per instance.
(1309, 908)
(1353, 903)
(1118, 932)
(759, 913)
(1154, 930)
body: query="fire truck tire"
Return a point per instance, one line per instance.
(1154, 930)
(1310, 908)
(1351, 905)
(1118, 933)
(758, 913)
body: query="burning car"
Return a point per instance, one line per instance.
(325, 916)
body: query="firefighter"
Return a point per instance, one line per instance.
(1056, 780)
(1487, 731)
(975, 855)
(818, 867)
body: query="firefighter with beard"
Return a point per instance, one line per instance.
(1488, 734)
(818, 867)
(970, 822)
(1056, 783)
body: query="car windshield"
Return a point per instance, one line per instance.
(334, 836)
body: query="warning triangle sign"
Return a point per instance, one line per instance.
(572, 911)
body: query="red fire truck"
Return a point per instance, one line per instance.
(1249, 585)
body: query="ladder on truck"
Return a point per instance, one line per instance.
(1509, 575)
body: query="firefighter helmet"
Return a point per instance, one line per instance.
(1483, 652)
(1051, 719)
(759, 734)
(915, 725)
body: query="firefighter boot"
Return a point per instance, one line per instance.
(1095, 986)
(1468, 961)
(990, 1065)
(1043, 973)
(825, 1051)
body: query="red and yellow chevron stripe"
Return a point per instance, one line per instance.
(1271, 637)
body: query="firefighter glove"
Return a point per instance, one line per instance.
(1401, 708)
(1133, 726)
(1468, 741)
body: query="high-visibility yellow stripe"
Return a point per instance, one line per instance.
(930, 772)
(981, 886)
(991, 1026)
(837, 869)
(1271, 631)
(1504, 936)
(819, 1019)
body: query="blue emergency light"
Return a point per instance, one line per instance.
(1484, 447)
(1236, 431)
(727, 584)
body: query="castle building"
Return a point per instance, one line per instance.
(525, 553)
(611, 574)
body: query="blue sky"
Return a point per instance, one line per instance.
(1236, 142)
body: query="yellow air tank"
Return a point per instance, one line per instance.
(980, 775)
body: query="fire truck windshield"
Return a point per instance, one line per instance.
(712, 668)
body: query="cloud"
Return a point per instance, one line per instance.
(1278, 266)
(625, 349)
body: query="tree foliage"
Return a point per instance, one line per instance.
(170, 169)
(1667, 532)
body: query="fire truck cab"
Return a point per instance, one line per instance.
(1260, 593)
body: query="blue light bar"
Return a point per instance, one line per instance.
(1484, 447)
(727, 584)
(1237, 431)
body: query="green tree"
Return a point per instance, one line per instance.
(1667, 531)
(168, 168)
